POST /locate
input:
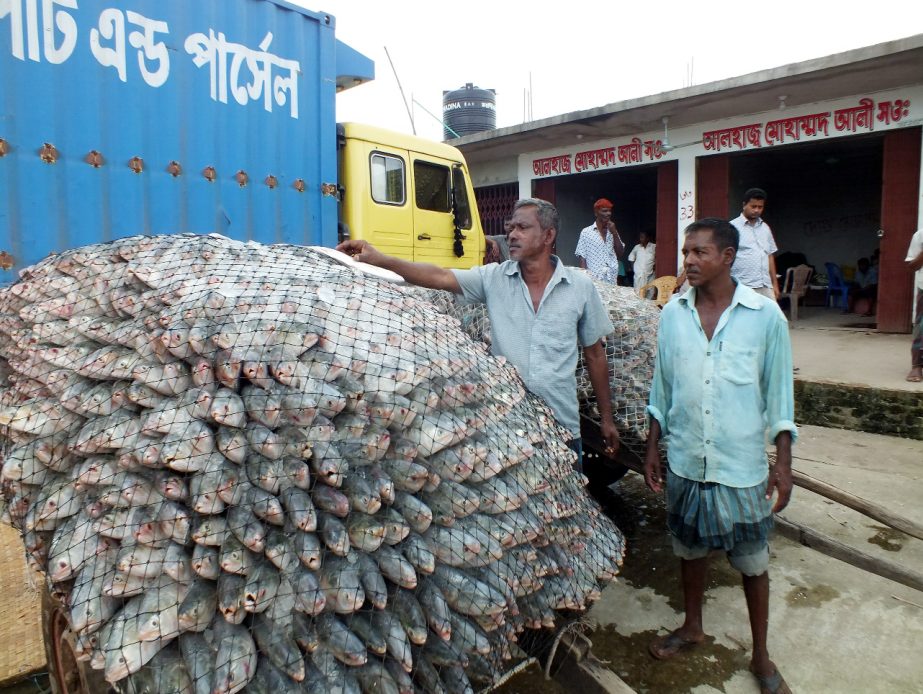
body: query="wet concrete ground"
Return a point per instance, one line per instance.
(833, 628)
(651, 566)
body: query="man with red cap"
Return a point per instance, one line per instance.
(600, 246)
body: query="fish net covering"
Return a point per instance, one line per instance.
(630, 351)
(248, 467)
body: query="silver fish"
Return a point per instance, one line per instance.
(200, 662)
(236, 659)
(277, 643)
(196, 610)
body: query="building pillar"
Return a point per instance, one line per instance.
(667, 200)
(712, 186)
(686, 209)
(900, 209)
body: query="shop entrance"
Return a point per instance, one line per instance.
(644, 199)
(833, 201)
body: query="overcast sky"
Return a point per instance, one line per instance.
(582, 54)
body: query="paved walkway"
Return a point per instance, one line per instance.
(825, 350)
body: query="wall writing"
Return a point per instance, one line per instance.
(51, 32)
(634, 152)
(853, 119)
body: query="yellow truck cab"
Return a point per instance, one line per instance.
(408, 196)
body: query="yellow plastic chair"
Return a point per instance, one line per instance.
(664, 286)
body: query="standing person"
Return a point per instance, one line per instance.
(600, 246)
(722, 381)
(755, 266)
(539, 310)
(915, 261)
(642, 256)
(497, 247)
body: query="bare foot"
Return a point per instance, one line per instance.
(916, 374)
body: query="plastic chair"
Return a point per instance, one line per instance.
(795, 287)
(664, 286)
(837, 289)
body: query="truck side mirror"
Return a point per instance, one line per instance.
(461, 209)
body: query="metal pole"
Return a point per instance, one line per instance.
(430, 113)
(404, 98)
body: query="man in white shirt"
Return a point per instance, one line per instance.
(755, 266)
(642, 256)
(600, 246)
(915, 261)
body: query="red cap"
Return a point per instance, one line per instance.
(602, 202)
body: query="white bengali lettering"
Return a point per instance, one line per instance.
(65, 24)
(29, 38)
(111, 28)
(13, 10)
(149, 49)
(215, 50)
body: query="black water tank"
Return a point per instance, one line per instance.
(468, 110)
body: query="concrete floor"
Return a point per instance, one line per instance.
(833, 628)
(825, 350)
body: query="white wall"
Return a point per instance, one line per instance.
(493, 172)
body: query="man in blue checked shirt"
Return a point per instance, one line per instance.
(539, 309)
(722, 384)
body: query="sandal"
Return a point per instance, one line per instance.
(670, 646)
(772, 684)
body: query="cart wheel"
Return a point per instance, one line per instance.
(67, 675)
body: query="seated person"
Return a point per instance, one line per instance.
(864, 286)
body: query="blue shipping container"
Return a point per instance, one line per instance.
(167, 116)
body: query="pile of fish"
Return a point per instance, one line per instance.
(254, 466)
(631, 350)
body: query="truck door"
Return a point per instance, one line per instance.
(376, 204)
(440, 195)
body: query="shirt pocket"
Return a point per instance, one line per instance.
(556, 331)
(739, 364)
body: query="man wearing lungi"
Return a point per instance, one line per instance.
(723, 379)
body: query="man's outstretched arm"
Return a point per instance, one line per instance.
(420, 274)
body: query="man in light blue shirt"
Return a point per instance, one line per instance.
(722, 383)
(539, 310)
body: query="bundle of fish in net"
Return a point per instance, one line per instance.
(247, 466)
(631, 350)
